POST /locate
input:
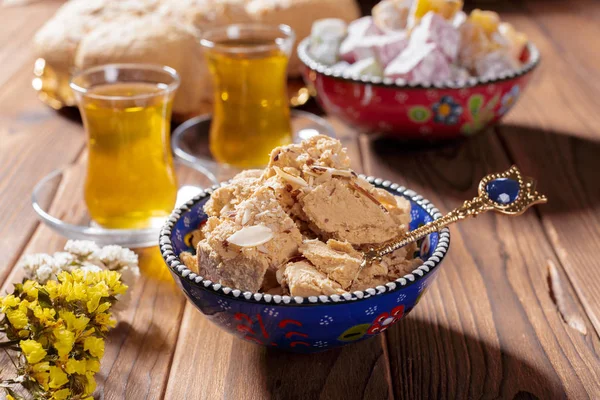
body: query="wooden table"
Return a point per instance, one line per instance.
(515, 312)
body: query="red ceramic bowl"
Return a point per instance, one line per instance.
(417, 111)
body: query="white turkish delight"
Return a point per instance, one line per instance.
(458, 73)
(368, 66)
(340, 66)
(495, 63)
(325, 39)
(433, 28)
(357, 31)
(391, 15)
(459, 19)
(423, 63)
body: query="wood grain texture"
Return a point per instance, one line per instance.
(564, 155)
(489, 326)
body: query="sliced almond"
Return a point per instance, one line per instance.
(251, 236)
(368, 195)
(246, 217)
(290, 178)
(262, 249)
(334, 171)
(364, 184)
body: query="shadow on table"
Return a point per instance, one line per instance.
(563, 164)
(426, 361)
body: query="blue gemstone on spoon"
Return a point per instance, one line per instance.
(503, 190)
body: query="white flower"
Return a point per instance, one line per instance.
(129, 275)
(65, 261)
(81, 248)
(43, 274)
(116, 257)
(89, 267)
(31, 263)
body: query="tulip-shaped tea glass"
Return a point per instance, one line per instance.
(126, 111)
(251, 113)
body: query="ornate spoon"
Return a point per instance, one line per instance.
(507, 193)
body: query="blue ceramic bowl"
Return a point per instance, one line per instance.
(310, 324)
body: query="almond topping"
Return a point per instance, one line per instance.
(251, 236)
(334, 171)
(246, 217)
(290, 178)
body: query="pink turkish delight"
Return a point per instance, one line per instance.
(357, 31)
(433, 28)
(494, 64)
(383, 48)
(420, 63)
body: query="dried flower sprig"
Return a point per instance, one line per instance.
(87, 256)
(57, 332)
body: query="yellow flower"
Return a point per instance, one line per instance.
(31, 288)
(103, 307)
(17, 318)
(23, 333)
(9, 397)
(90, 386)
(94, 345)
(45, 315)
(95, 294)
(34, 352)
(40, 373)
(10, 301)
(105, 321)
(93, 365)
(53, 288)
(76, 366)
(64, 341)
(74, 324)
(58, 377)
(61, 394)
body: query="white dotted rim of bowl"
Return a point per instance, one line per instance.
(183, 272)
(327, 70)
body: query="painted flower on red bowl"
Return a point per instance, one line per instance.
(447, 111)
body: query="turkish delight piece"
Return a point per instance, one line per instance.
(446, 8)
(495, 63)
(391, 15)
(517, 40)
(357, 30)
(488, 20)
(458, 73)
(435, 29)
(325, 39)
(458, 19)
(338, 260)
(369, 66)
(420, 63)
(474, 43)
(303, 279)
(383, 48)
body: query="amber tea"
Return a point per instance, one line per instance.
(130, 182)
(251, 110)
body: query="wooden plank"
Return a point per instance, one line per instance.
(563, 156)
(489, 326)
(228, 367)
(33, 142)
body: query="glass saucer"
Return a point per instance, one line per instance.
(190, 142)
(58, 200)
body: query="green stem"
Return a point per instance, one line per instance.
(9, 343)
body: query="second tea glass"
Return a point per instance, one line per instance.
(251, 116)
